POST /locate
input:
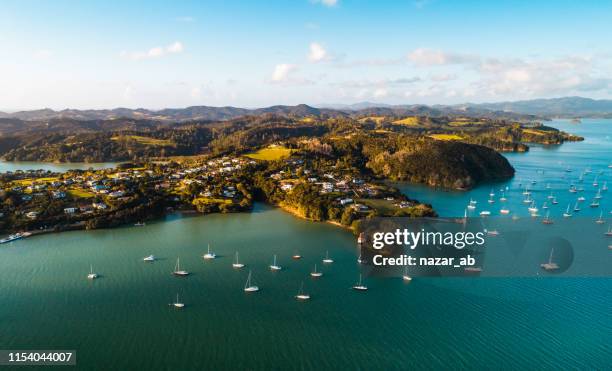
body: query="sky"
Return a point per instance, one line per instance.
(158, 54)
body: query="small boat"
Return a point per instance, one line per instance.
(572, 189)
(547, 185)
(209, 255)
(15, 236)
(550, 196)
(533, 182)
(503, 197)
(327, 259)
(604, 187)
(547, 219)
(359, 259)
(492, 194)
(581, 199)
(178, 271)
(554, 201)
(150, 258)
(485, 213)
(550, 266)
(493, 233)
(504, 211)
(576, 207)
(526, 192)
(361, 238)
(600, 220)
(609, 232)
(491, 200)
(248, 286)
(471, 206)
(568, 170)
(177, 303)
(567, 213)
(533, 209)
(236, 264)
(405, 276)
(301, 295)
(544, 206)
(92, 275)
(274, 266)
(359, 286)
(296, 256)
(594, 204)
(598, 195)
(595, 183)
(140, 224)
(473, 202)
(314, 273)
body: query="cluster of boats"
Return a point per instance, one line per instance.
(15, 236)
(250, 286)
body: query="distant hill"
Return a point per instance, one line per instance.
(555, 107)
(208, 113)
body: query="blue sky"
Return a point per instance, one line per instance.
(153, 54)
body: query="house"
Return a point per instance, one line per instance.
(346, 201)
(32, 214)
(58, 194)
(70, 210)
(286, 186)
(99, 205)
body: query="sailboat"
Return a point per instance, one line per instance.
(567, 213)
(576, 207)
(301, 295)
(178, 271)
(504, 211)
(594, 203)
(150, 258)
(177, 303)
(359, 286)
(600, 220)
(359, 259)
(405, 276)
(274, 266)
(92, 275)
(550, 196)
(209, 255)
(327, 259)
(237, 263)
(609, 232)
(554, 201)
(604, 187)
(595, 183)
(550, 266)
(315, 273)
(544, 206)
(491, 200)
(471, 205)
(547, 219)
(248, 286)
(598, 195)
(491, 194)
(503, 197)
(296, 256)
(533, 209)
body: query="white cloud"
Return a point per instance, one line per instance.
(43, 54)
(196, 93)
(317, 52)
(427, 57)
(155, 52)
(380, 93)
(282, 71)
(328, 3)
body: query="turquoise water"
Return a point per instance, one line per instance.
(122, 320)
(49, 166)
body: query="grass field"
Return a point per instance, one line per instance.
(211, 200)
(27, 182)
(463, 123)
(145, 140)
(408, 121)
(79, 193)
(384, 207)
(533, 131)
(445, 137)
(270, 153)
(376, 119)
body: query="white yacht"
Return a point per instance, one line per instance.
(274, 266)
(301, 295)
(609, 232)
(296, 256)
(504, 211)
(209, 255)
(92, 275)
(405, 276)
(600, 220)
(359, 286)
(485, 213)
(150, 258)
(236, 264)
(567, 213)
(314, 273)
(15, 236)
(533, 209)
(550, 265)
(554, 201)
(327, 259)
(177, 303)
(248, 286)
(178, 271)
